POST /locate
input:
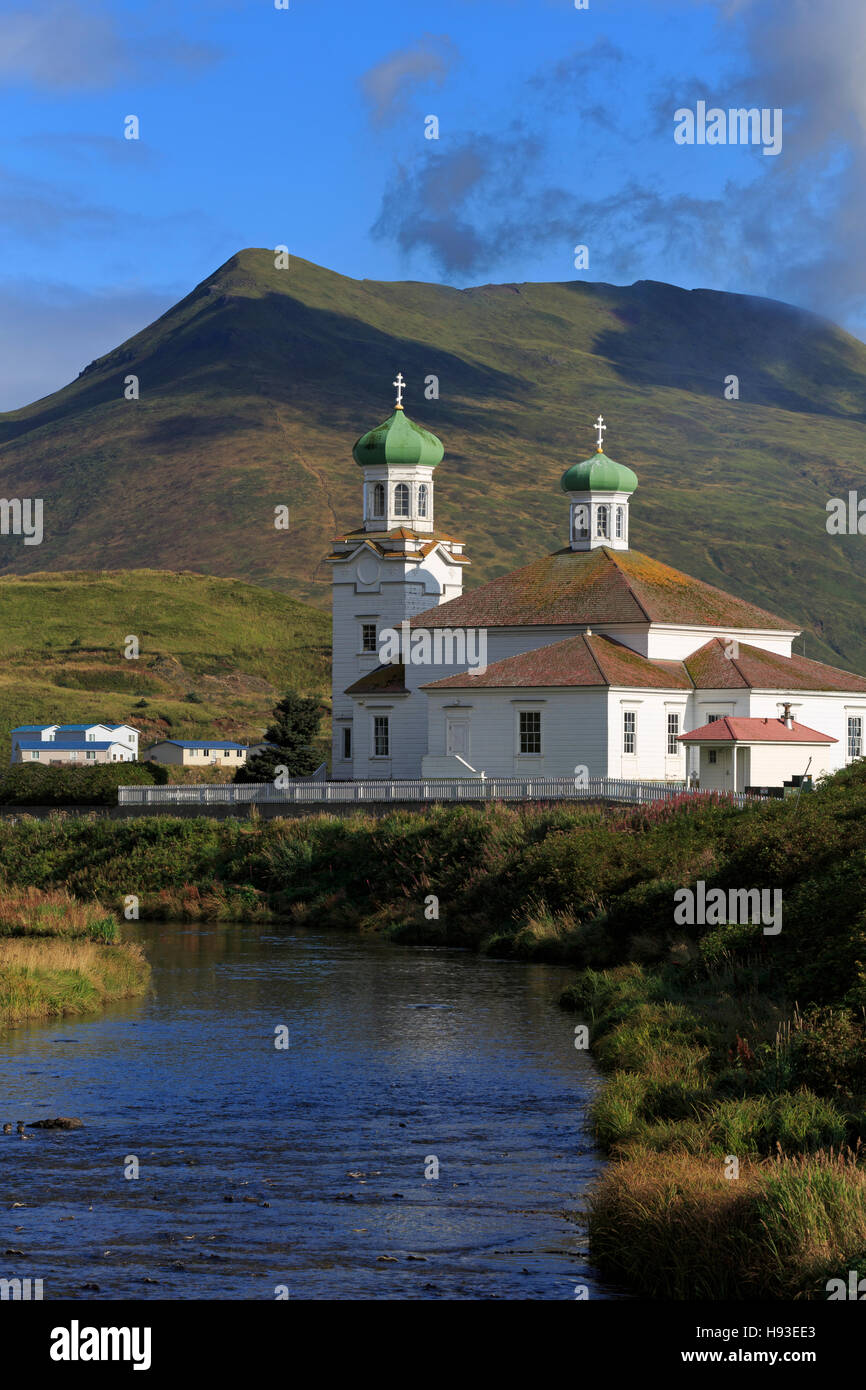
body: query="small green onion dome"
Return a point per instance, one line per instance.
(398, 440)
(598, 474)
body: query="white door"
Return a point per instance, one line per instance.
(457, 744)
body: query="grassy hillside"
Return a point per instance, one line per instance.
(233, 647)
(255, 386)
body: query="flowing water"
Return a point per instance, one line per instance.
(303, 1171)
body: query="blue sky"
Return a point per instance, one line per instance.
(305, 127)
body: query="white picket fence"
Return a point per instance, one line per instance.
(416, 789)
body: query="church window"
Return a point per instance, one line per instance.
(620, 523)
(530, 731)
(401, 499)
(629, 731)
(381, 736)
(581, 523)
(855, 736)
(379, 499)
(602, 522)
(422, 500)
(368, 637)
(347, 741)
(712, 757)
(673, 734)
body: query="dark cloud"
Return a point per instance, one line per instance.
(388, 87)
(790, 226)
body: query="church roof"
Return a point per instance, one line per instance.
(583, 660)
(382, 680)
(570, 588)
(754, 668)
(737, 729)
(398, 440)
(598, 659)
(598, 474)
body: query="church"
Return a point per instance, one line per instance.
(594, 659)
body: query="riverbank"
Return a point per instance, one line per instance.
(62, 957)
(723, 1042)
(734, 1124)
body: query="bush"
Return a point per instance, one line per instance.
(29, 784)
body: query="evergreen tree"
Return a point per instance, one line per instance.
(292, 734)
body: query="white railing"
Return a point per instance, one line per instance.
(417, 789)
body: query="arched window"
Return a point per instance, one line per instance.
(620, 523)
(422, 499)
(401, 499)
(379, 499)
(602, 524)
(580, 525)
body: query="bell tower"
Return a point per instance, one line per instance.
(600, 491)
(398, 458)
(392, 566)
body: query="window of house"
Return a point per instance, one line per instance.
(530, 731)
(422, 499)
(712, 756)
(620, 523)
(381, 736)
(35, 757)
(673, 734)
(90, 754)
(73, 755)
(401, 499)
(91, 738)
(206, 752)
(602, 522)
(379, 500)
(629, 731)
(855, 736)
(368, 637)
(347, 741)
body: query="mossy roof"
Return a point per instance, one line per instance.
(754, 668)
(573, 588)
(583, 660)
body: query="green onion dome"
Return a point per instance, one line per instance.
(598, 474)
(399, 441)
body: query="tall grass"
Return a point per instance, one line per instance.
(60, 956)
(44, 978)
(31, 912)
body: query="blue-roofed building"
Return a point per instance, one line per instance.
(200, 752)
(55, 744)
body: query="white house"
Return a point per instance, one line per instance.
(53, 744)
(202, 752)
(594, 656)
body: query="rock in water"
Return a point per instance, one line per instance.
(62, 1122)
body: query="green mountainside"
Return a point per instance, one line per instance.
(232, 647)
(255, 386)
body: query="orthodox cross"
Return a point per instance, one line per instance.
(601, 427)
(400, 384)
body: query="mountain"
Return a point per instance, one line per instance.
(255, 386)
(214, 654)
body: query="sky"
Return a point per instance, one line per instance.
(307, 126)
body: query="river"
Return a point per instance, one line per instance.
(305, 1170)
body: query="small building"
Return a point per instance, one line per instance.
(197, 753)
(58, 744)
(739, 753)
